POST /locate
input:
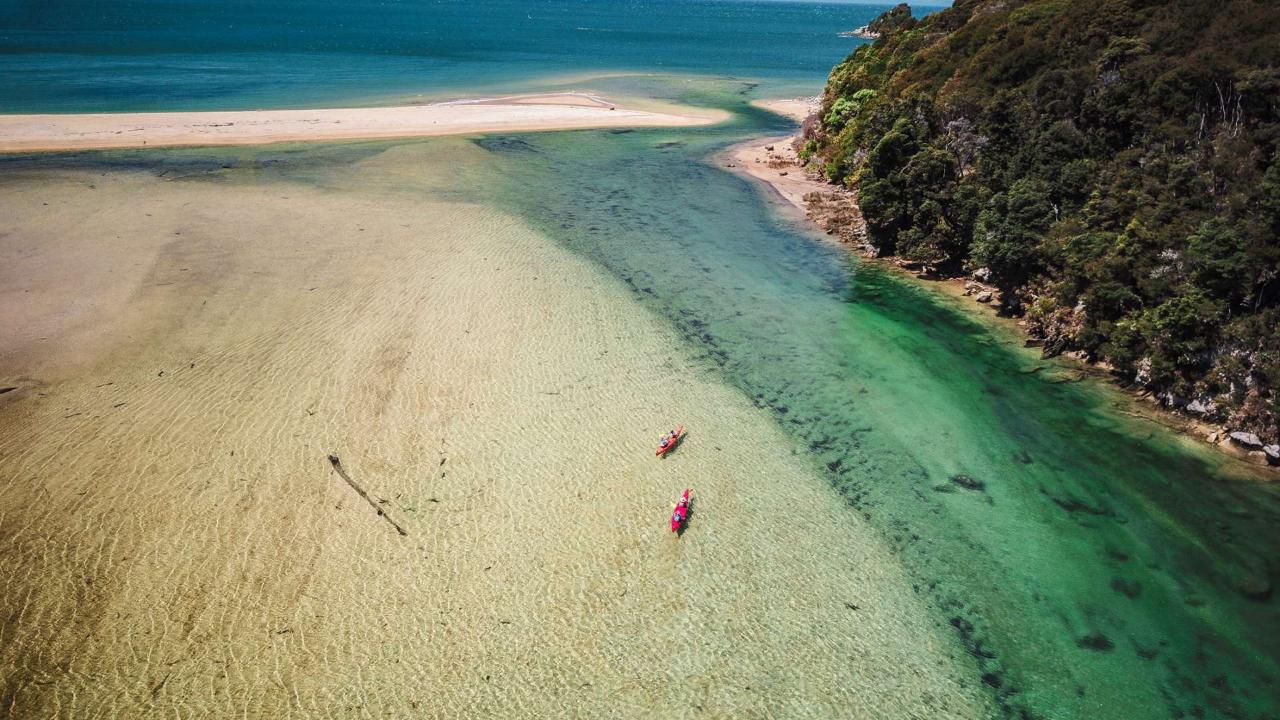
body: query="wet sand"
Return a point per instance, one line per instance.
(549, 111)
(188, 352)
(777, 167)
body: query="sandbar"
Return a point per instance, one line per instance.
(548, 111)
(186, 352)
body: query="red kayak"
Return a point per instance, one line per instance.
(680, 515)
(669, 441)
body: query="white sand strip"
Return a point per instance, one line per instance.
(563, 111)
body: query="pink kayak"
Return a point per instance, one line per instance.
(670, 441)
(680, 515)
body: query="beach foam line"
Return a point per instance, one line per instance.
(542, 112)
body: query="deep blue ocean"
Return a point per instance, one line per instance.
(114, 55)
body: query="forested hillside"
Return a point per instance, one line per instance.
(1112, 166)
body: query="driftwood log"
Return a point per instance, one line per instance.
(342, 473)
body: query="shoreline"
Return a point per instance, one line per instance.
(513, 113)
(772, 161)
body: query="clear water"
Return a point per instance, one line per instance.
(1093, 565)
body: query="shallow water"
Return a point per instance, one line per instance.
(1081, 563)
(1084, 563)
(176, 543)
(1093, 564)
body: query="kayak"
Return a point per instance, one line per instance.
(670, 443)
(680, 515)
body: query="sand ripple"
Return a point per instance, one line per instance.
(176, 544)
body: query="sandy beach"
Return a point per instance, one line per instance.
(772, 160)
(552, 111)
(185, 354)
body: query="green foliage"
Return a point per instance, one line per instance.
(896, 19)
(1115, 164)
(844, 108)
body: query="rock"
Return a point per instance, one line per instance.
(769, 148)
(1201, 406)
(1246, 439)
(1212, 438)
(982, 274)
(784, 172)
(1273, 454)
(983, 297)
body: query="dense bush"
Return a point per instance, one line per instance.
(1114, 164)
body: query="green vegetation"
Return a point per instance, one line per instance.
(1114, 165)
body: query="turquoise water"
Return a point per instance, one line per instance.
(113, 55)
(1092, 564)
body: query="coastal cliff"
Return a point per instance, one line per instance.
(1110, 167)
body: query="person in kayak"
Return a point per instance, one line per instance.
(680, 514)
(668, 441)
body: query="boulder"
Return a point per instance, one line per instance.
(982, 274)
(1201, 406)
(1273, 454)
(1246, 439)
(1212, 438)
(983, 297)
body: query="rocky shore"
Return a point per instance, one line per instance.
(863, 32)
(834, 209)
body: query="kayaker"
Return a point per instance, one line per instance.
(668, 442)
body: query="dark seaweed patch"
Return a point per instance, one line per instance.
(507, 145)
(968, 483)
(1096, 642)
(1129, 588)
(1075, 505)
